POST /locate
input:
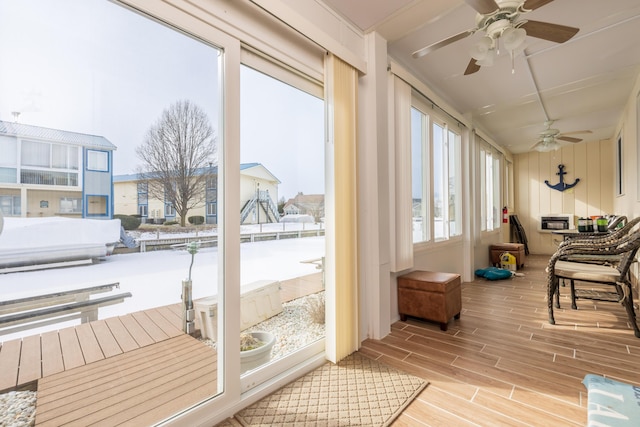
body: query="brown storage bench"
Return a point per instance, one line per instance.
(430, 295)
(515, 249)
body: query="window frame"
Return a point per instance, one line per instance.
(620, 187)
(103, 201)
(492, 173)
(429, 118)
(78, 201)
(142, 195)
(14, 204)
(104, 157)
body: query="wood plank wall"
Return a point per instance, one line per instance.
(592, 162)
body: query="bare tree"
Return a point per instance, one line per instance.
(177, 153)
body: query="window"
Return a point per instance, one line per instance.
(97, 206)
(36, 154)
(619, 166)
(275, 114)
(143, 198)
(64, 157)
(211, 198)
(95, 68)
(41, 177)
(419, 189)
(9, 150)
(8, 175)
(10, 205)
(436, 168)
(169, 210)
(8, 159)
(212, 208)
(97, 160)
(70, 205)
(490, 187)
(87, 77)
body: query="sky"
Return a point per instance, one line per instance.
(94, 67)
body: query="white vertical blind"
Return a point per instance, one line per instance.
(402, 206)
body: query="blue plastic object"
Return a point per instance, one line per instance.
(493, 273)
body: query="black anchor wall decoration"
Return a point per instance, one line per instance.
(561, 186)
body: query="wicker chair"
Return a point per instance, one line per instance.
(564, 265)
(601, 257)
(596, 238)
(615, 221)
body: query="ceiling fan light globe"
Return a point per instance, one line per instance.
(481, 49)
(487, 61)
(512, 38)
(545, 148)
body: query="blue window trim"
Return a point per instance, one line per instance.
(166, 204)
(138, 199)
(85, 206)
(86, 158)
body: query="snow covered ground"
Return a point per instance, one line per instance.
(154, 278)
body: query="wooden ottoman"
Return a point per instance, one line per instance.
(515, 249)
(430, 295)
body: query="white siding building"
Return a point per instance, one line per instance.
(51, 172)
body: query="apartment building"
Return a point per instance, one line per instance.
(53, 172)
(258, 187)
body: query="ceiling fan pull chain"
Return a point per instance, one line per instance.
(513, 65)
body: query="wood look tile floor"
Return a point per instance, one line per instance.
(502, 363)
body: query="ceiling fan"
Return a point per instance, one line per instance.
(501, 19)
(548, 139)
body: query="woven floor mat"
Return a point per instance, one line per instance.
(357, 391)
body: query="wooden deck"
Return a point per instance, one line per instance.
(135, 369)
(140, 387)
(26, 360)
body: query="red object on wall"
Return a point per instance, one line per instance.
(505, 215)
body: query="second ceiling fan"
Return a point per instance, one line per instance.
(501, 20)
(548, 139)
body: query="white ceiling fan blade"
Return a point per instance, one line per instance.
(428, 49)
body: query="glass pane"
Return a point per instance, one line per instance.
(97, 160)
(97, 78)
(439, 182)
(497, 208)
(282, 217)
(8, 151)
(455, 185)
(59, 156)
(488, 188)
(36, 154)
(419, 183)
(8, 175)
(97, 206)
(483, 193)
